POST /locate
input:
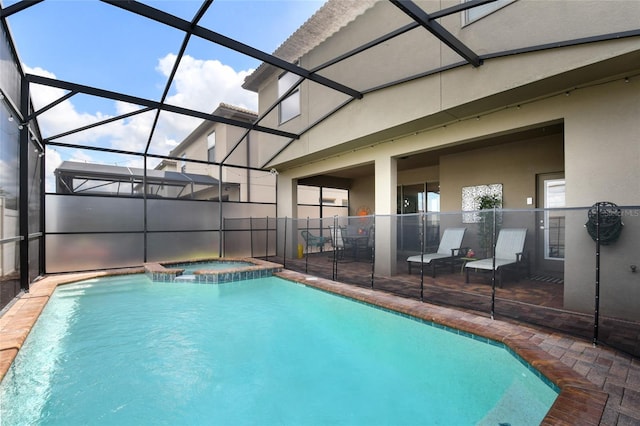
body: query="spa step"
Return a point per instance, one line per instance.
(185, 278)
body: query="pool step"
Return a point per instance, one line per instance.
(187, 278)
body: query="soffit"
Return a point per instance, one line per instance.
(432, 157)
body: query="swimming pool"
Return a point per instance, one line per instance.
(123, 350)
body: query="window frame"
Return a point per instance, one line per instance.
(211, 148)
(486, 10)
(292, 101)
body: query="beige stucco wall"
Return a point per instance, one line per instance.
(255, 185)
(601, 163)
(514, 165)
(419, 175)
(582, 87)
(448, 96)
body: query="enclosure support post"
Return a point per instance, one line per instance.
(334, 264)
(373, 251)
(23, 218)
(597, 295)
(251, 234)
(422, 233)
(284, 248)
(220, 217)
(306, 257)
(144, 210)
(493, 268)
(266, 251)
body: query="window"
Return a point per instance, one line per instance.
(290, 106)
(211, 147)
(183, 163)
(420, 198)
(475, 13)
(554, 223)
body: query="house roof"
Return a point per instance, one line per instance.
(329, 19)
(223, 110)
(91, 171)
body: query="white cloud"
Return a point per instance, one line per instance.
(198, 84)
(64, 116)
(202, 85)
(52, 161)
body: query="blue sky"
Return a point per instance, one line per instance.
(93, 43)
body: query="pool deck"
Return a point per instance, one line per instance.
(599, 386)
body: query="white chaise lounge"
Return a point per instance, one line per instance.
(509, 253)
(449, 248)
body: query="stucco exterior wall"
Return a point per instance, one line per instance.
(601, 160)
(582, 87)
(514, 165)
(362, 195)
(602, 131)
(454, 94)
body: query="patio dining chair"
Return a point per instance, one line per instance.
(509, 253)
(449, 249)
(313, 240)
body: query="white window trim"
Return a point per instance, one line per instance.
(491, 8)
(282, 90)
(210, 145)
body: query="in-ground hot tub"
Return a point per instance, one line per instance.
(211, 271)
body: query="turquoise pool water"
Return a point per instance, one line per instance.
(126, 351)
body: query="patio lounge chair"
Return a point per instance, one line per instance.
(313, 240)
(448, 250)
(509, 253)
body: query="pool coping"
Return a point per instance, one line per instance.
(579, 400)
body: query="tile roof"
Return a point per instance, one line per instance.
(329, 19)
